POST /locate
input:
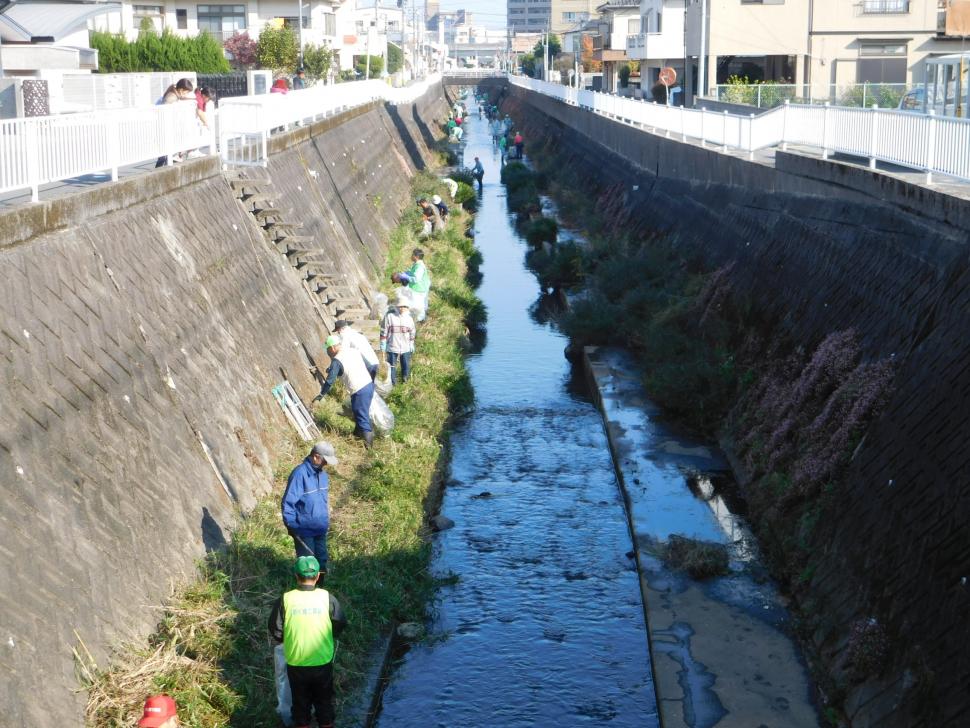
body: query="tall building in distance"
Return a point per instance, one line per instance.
(528, 16)
(431, 8)
(535, 16)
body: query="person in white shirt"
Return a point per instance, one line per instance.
(353, 339)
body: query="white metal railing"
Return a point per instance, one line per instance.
(926, 142)
(770, 95)
(39, 150)
(473, 73)
(246, 122)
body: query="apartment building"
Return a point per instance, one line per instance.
(556, 16)
(618, 19)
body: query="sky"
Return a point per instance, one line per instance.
(490, 13)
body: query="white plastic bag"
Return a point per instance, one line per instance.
(284, 698)
(416, 302)
(379, 307)
(381, 416)
(383, 384)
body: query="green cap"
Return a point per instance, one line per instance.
(332, 340)
(307, 567)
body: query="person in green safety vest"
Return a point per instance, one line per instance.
(307, 620)
(418, 280)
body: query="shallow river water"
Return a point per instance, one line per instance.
(545, 624)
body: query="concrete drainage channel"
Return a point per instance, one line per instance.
(722, 652)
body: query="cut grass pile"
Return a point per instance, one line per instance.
(210, 651)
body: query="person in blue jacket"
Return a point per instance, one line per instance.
(306, 507)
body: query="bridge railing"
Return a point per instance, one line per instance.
(40, 150)
(925, 142)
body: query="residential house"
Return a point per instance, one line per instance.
(660, 42)
(618, 19)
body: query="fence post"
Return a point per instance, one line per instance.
(865, 93)
(874, 136)
(825, 128)
(931, 148)
(784, 126)
(703, 117)
(32, 148)
(751, 137)
(114, 143)
(724, 131)
(759, 96)
(683, 125)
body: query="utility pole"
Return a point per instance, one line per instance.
(370, 28)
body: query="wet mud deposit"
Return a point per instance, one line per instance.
(544, 622)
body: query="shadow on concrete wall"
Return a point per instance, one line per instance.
(405, 135)
(426, 134)
(212, 536)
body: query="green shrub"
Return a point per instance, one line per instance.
(395, 58)
(465, 196)
(317, 61)
(559, 268)
(463, 175)
(154, 52)
(278, 50)
(700, 559)
(543, 230)
(376, 66)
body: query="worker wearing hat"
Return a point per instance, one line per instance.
(397, 337)
(307, 620)
(349, 364)
(159, 712)
(306, 503)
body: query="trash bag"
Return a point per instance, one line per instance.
(379, 307)
(284, 698)
(383, 384)
(415, 302)
(381, 416)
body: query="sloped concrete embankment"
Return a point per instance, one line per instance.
(819, 247)
(144, 324)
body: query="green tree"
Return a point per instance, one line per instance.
(376, 66)
(395, 58)
(555, 47)
(624, 73)
(277, 50)
(317, 61)
(528, 63)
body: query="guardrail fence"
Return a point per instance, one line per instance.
(40, 150)
(925, 142)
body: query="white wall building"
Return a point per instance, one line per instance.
(660, 42)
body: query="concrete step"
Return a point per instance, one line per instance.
(279, 229)
(260, 201)
(348, 311)
(306, 240)
(270, 213)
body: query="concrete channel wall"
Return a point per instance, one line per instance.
(819, 247)
(143, 325)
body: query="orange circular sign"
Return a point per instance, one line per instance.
(668, 76)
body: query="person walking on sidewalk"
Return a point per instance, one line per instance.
(349, 364)
(353, 339)
(306, 503)
(307, 621)
(397, 339)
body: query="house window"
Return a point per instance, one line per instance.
(329, 24)
(881, 48)
(222, 19)
(881, 62)
(884, 7)
(182, 19)
(154, 13)
(633, 26)
(294, 22)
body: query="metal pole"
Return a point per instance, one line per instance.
(702, 58)
(370, 25)
(300, 21)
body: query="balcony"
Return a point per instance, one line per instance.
(655, 46)
(952, 18)
(884, 7)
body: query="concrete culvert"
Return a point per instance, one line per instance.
(700, 559)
